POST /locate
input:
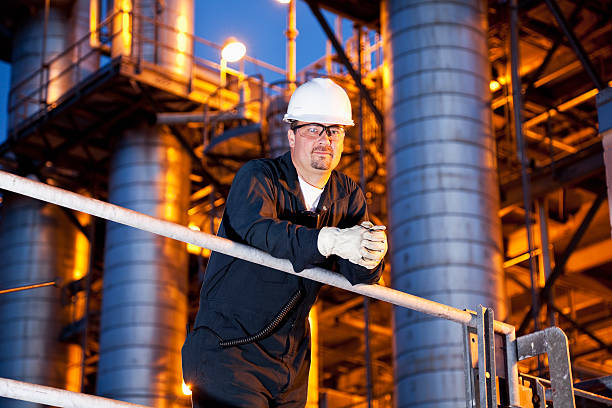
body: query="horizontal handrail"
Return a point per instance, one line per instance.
(57, 397)
(193, 37)
(111, 212)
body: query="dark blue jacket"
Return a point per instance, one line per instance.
(265, 209)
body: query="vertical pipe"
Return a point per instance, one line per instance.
(362, 182)
(442, 186)
(84, 22)
(545, 245)
(522, 153)
(85, 339)
(121, 33)
(291, 34)
(43, 99)
(313, 375)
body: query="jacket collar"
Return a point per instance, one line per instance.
(334, 187)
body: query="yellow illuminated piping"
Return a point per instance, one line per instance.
(562, 107)
(93, 23)
(126, 28)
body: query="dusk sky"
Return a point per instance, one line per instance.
(260, 24)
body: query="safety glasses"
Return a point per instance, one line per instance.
(315, 130)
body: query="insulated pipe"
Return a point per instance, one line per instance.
(156, 32)
(443, 193)
(18, 390)
(84, 19)
(144, 298)
(178, 232)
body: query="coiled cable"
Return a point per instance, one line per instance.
(270, 328)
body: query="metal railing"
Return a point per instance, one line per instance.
(481, 393)
(168, 229)
(56, 397)
(30, 96)
(43, 89)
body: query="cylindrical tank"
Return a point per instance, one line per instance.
(278, 143)
(144, 302)
(38, 243)
(443, 195)
(156, 32)
(27, 91)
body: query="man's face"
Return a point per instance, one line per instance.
(314, 149)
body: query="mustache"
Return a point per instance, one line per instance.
(324, 149)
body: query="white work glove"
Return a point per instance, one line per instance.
(373, 245)
(364, 244)
(346, 242)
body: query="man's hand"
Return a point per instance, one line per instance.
(346, 242)
(373, 245)
(364, 244)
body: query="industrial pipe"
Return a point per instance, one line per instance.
(27, 287)
(56, 397)
(168, 229)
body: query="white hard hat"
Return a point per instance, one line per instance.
(320, 100)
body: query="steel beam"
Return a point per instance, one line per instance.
(567, 171)
(522, 154)
(580, 327)
(575, 44)
(365, 94)
(560, 266)
(551, 51)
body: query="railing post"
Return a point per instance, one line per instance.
(486, 358)
(512, 369)
(553, 342)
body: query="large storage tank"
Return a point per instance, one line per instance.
(144, 303)
(155, 32)
(38, 243)
(278, 143)
(28, 83)
(443, 194)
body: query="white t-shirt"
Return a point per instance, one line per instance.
(311, 194)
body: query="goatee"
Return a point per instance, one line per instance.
(320, 161)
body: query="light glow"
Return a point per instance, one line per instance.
(194, 249)
(126, 27)
(494, 85)
(93, 23)
(233, 50)
(181, 38)
(186, 389)
(284, 1)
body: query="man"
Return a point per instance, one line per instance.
(250, 346)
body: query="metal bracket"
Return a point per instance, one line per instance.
(486, 358)
(486, 386)
(553, 342)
